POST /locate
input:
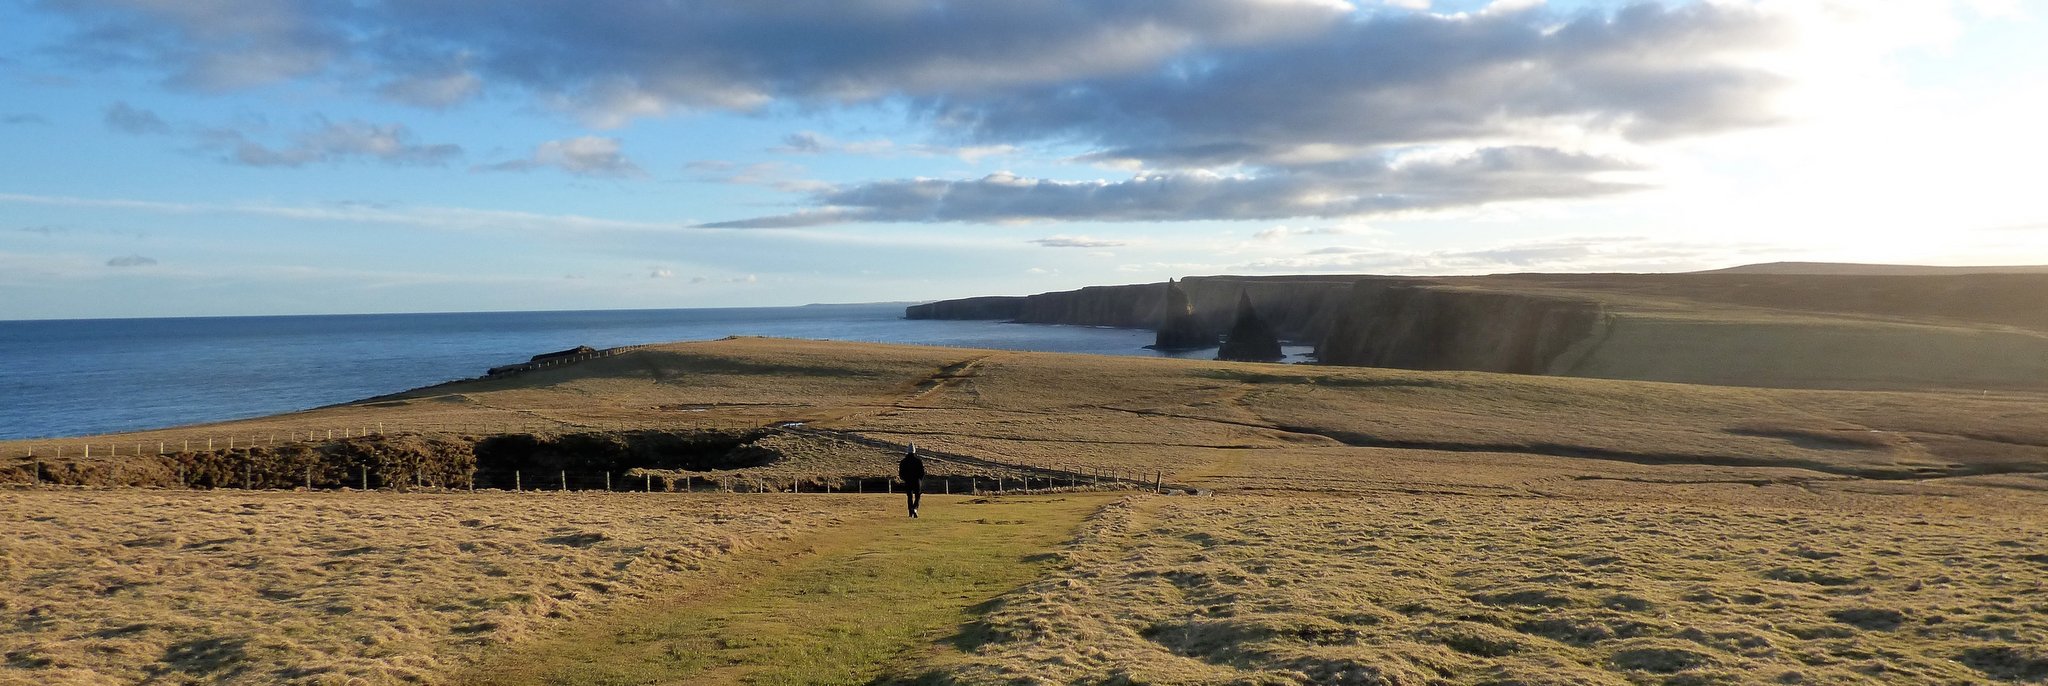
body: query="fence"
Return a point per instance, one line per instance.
(232, 461)
(364, 478)
(558, 361)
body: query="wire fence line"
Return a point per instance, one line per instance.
(254, 460)
(510, 369)
(365, 478)
(185, 441)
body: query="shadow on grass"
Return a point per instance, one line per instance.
(711, 364)
(1325, 380)
(971, 637)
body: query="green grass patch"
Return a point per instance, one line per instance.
(856, 601)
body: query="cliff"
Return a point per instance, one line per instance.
(1397, 323)
(1298, 307)
(1177, 328)
(986, 307)
(1250, 339)
(1972, 331)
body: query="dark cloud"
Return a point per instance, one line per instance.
(1351, 188)
(584, 156)
(803, 143)
(1077, 242)
(131, 261)
(332, 142)
(1644, 72)
(434, 89)
(128, 119)
(1192, 81)
(1235, 109)
(19, 118)
(632, 58)
(214, 45)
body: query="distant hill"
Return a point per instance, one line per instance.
(1853, 269)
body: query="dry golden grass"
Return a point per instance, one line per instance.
(333, 588)
(1143, 414)
(1464, 590)
(1398, 526)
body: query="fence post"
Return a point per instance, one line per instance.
(249, 474)
(1159, 482)
(647, 485)
(515, 481)
(209, 444)
(366, 477)
(607, 480)
(565, 480)
(88, 450)
(309, 478)
(159, 447)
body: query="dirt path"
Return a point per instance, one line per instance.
(852, 604)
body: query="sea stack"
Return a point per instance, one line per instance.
(1178, 328)
(1250, 339)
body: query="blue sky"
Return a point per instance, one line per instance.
(216, 157)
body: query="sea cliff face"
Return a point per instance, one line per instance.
(1967, 331)
(1298, 308)
(986, 307)
(1411, 326)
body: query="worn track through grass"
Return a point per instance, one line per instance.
(858, 603)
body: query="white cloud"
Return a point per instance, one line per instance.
(1570, 254)
(594, 156)
(1278, 233)
(1077, 242)
(333, 142)
(131, 261)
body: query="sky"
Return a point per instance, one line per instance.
(254, 157)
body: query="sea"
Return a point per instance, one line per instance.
(81, 377)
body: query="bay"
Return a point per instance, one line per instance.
(94, 376)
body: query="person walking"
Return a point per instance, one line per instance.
(911, 470)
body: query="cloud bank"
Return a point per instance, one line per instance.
(1224, 109)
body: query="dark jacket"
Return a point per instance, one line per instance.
(911, 468)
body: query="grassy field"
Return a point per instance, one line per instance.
(844, 610)
(1460, 589)
(336, 588)
(1357, 526)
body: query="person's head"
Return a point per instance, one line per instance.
(912, 450)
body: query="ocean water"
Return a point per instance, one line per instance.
(82, 377)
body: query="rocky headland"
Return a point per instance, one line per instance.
(1833, 328)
